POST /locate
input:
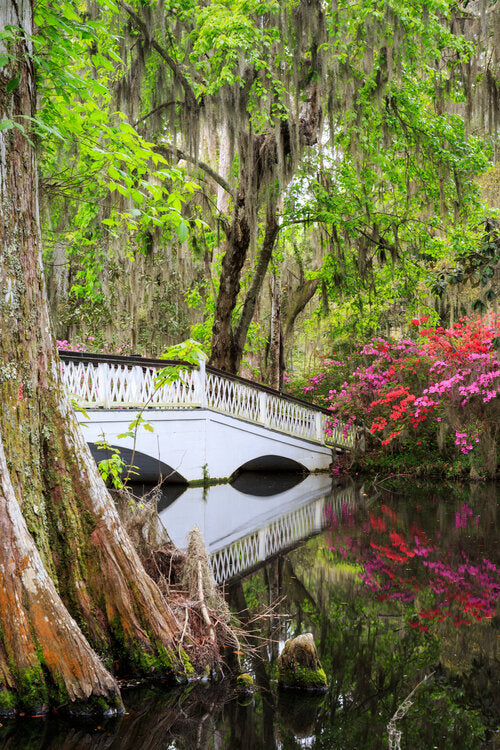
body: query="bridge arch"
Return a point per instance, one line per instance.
(148, 469)
(272, 463)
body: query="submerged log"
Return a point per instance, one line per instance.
(299, 665)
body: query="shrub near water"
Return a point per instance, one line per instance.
(429, 402)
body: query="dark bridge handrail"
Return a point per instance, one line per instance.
(132, 361)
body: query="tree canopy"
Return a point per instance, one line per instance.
(188, 136)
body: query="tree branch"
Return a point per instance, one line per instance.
(156, 109)
(172, 64)
(165, 149)
(301, 297)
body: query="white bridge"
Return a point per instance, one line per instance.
(199, 423)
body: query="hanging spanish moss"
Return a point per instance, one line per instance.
(311, 80)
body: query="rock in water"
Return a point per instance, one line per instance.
(299, 665)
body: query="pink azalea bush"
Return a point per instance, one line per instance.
(92, 346)
(438, 389)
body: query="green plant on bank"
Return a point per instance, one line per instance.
(112, 468)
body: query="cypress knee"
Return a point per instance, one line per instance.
(299, 665)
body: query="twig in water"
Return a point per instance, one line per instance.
(394, 734)
(385, 479)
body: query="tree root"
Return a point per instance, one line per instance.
(204, 622)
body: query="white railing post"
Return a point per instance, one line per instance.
(203, 382)
(263, 418)
(102, 384)
(135, 377)
(318, 514)
(320, 434)
(262, 544)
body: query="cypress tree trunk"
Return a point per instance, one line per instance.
(71, 582)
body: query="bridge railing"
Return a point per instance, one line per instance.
(281, 534)
(124, 382)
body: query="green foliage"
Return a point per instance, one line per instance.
(189, 351)
(389, 194)
(90, 148)
(79, 410)
(222, 33)
(394, 199)
(113, 468)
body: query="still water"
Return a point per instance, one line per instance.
(400, 588)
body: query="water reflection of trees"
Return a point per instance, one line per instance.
(159, 717)
(366, 638)
(371, 652)
(384, 595)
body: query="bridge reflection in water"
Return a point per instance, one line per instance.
(242, 529)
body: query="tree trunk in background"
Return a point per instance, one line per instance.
(259, 162)
(257, 282)
(275, 337)
(64, 553)
(297, 301)
(224, 169)
(225, 354)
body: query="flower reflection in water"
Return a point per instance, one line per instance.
(444, 574)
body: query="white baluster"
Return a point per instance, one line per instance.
(263, 418)
(202, 383)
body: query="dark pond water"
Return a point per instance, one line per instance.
(401, 590)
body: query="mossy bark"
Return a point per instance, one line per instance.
(72, 585)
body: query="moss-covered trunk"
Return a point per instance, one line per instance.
(72, 584)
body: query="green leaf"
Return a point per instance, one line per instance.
(114, 173)
(4, 59)
(13, 84)
(182, 231)
(6, 125)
